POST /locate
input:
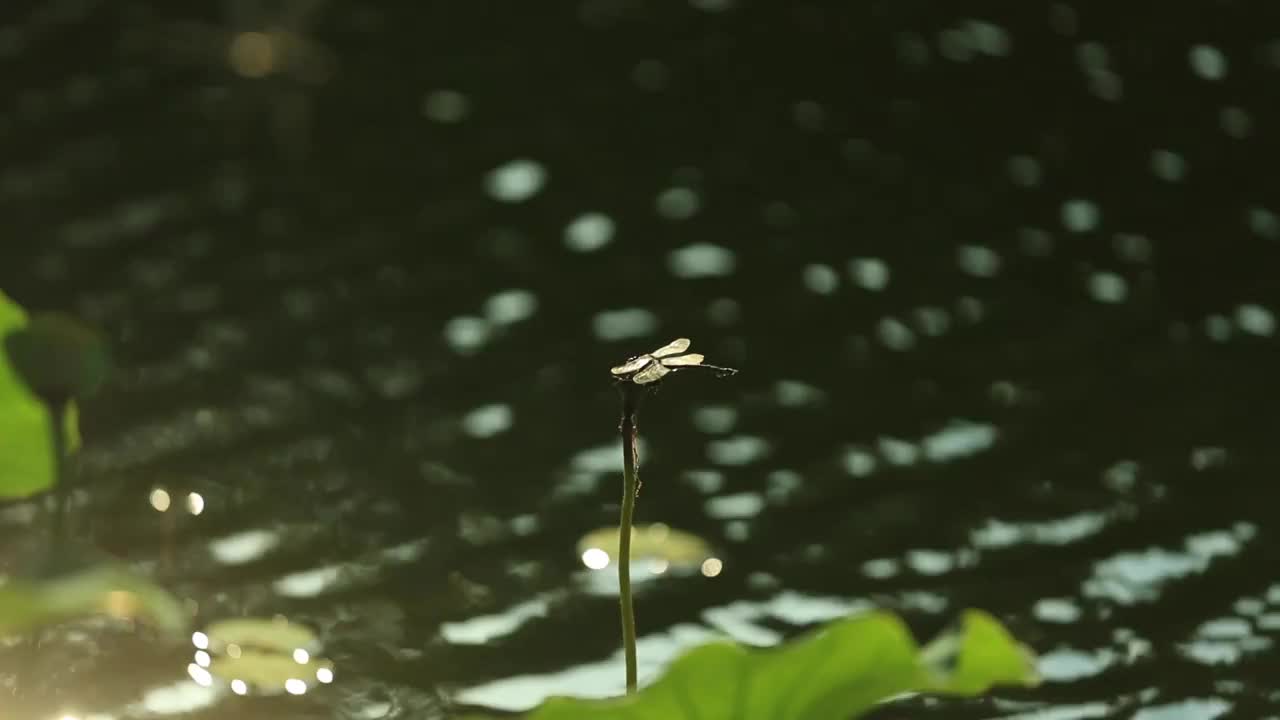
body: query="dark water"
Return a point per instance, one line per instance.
(1000, 278)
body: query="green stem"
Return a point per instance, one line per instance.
(631, 488)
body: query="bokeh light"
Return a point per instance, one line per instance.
(159, 499)
(252, 54)
(595, 558)
(200, 675)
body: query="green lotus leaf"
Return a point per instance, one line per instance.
(26, 448)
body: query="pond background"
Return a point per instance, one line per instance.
(1001, 282)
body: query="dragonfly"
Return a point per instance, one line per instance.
(651, 367)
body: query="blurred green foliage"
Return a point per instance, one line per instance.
(103, 588)
(26, 449)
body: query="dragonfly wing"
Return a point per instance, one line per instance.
(651, 374)
(675, 347)
(630, 366)
(683, 360)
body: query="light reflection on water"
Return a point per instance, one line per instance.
(1065, 712)
(701, 260)
(243, 547)
(1067, 664)
(516, 181)
(485, 628)
(1057, 610)
(959, 439)
(624, 324)
(1137, 577)
(589, 232)
(1193, 709)
(1062, 531)
(737, 505)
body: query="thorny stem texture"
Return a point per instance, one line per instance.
(630, 488)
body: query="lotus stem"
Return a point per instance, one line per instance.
(630, 489)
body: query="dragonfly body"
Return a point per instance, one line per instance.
(651, 367)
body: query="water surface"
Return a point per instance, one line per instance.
(1001, 287)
